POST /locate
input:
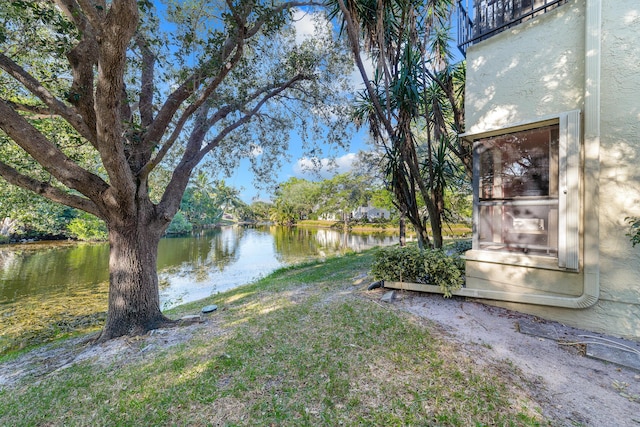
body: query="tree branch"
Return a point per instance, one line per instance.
(94, 12)
(48, 155)
(191, 158)
(47, 190)
(55, 105)
(249, 115)
(146, 81)
(82, 59)
(234, 43)
(175, 100)
(72, 11)
(117, 30)
(35, 111)
(172, 106)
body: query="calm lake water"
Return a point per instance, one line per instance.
(189, 268)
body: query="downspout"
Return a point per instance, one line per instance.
(591, 189)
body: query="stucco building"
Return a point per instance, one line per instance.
(553, 110)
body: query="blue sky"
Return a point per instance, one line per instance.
(242, 178)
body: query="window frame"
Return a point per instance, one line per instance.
(569, 193)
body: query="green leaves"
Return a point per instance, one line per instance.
(407, 103)
(145, 5)
(344, 193)
(204, 203)
(179, 225)
(409, 264)
(295, 199)
(33, 216)
(634, 230)
(87, 227)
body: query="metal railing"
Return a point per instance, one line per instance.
(491, 17)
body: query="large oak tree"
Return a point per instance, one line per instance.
(140, 87)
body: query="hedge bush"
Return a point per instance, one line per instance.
(409, 264)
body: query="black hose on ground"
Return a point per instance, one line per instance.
(376, 285)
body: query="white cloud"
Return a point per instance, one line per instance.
(356, 77)
(256, 150)
(324, 168)
(304, 25)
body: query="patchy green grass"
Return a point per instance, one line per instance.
(306, 346)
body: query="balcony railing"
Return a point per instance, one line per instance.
(480, 19)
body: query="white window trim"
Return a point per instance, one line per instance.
(568, 193)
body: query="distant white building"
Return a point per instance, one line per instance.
(370, 212)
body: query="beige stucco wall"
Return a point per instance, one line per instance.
(620, 154)
(532, 70)
(538, 69)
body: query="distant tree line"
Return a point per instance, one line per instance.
(337, 197)
(26, 216)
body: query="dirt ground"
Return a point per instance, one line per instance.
(571, 388)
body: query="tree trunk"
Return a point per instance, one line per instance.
(436, 225)
(134, 300)
(403, 231)
(435, 219)
(422, 234)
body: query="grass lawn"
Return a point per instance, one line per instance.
(305, 346)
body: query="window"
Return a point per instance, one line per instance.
(518, 203)
(526, 198)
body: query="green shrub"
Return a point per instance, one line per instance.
(444, 271)
(409, 264)
(88, 228)
(400, 264)
(180, 225)
(459, 246)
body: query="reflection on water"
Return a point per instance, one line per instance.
(189, 268)
(222, 259)
(47, 269)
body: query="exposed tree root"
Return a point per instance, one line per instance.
(137, 330)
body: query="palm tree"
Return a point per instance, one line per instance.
(228, 198)
(413, 84)
(283, 213)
